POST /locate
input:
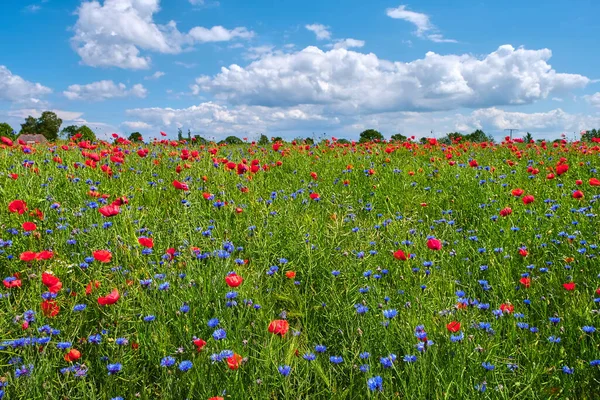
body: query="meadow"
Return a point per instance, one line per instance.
(289, 271)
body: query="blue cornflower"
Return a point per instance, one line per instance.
(488, 366)
(149, 318)
(185, 365)
(375, 383)
(122, 341)
(320, 348)
(79, 307)
(390, 313)
(588, 329)
(219, 334)
(23, 371)
(63, 345)
(409, 358)
(213, 322)
(336, 359)
(167, 361)
(284, 370)
(114, 368)
(567, 370)
(309, 356)
(184, 308)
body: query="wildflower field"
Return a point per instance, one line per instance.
(287, 271)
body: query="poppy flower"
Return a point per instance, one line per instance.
(11, 282)
(112, 298)
(569, 286)
(594, 182)
(29, 226)
(233, 280)
(578, 194)
(146, 242)
(17, 206)
(506, 211)
(199, 343)
(216, 398)
(102, 256)
(279, 327)
(525, 282)
(180, 185)
(44, 255)
(234, 361)
(290, 274)
(91, 286)
(51, 282)
(72, 355)
(523, 252)
(562, 168)
(528, 199)
(28, 256)
(517, 192)
(314, 196)
(453, 326)
(400, 255)
(110, 210)
(50, 308)
(507, 308)
(434, 244)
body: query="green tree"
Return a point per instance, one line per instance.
(263, 140)
(370, 135)
(231, 140)
(399, 137)
(528, 138)
(179, 134)
(276, 139)
(478, 136)
(29, 126)
(343, 141)
(6, 130)
(135, 137)
(200, 140)
(49, 125)
(593, 133)
(69, 131)
(309, 140)
(189, 135)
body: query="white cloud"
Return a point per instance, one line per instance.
(593, 99)
(137, 125)
(112, 34)
(103, 90)
(425, 29)
(221, 120)
(257, 52)
(196, 2)
(347, 81)
(185, 65)
(13, 88)
(219, 34)
(36, 113)
(321, 31)
(155, 75)
(33, 8)
(346, 43)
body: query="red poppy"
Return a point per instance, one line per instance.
(28, 256)
(434, 244)
(562, 168)
(180, 185)
(579, 182)
(290, 274)
(528, 199)
(400, 255)
(90, 286)
(146, 242)
(507, 308)
(72, 355)
(279, 327)
(110, 210)
(506, 211)
(112, 298)
(314, 175)
(234, 361)
(11, 283)
(44, 255)
(233, 280)
(578, 194)
(29, 226)
(199, 343)
(525, 282)
(569, 286)
(594, 182)
(50, 308)
(314, 196)
(216, 398)
(523, 252)
(102, 256)
(17, 206)
(453, 326)
(51, 282)
(517, 192)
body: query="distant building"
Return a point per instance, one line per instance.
(33, 139)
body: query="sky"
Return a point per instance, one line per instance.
(303, 68)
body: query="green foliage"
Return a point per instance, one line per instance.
(200, 140)
(528, 138)
(48, 125)
(135, 137)
(590, 133)
(309, 140)
(263, 140)
(343, 141)
(179, 134)
(72, 130)
(276, 139)
(231, 140)
(399, 137)
(370, 135)
(6, 130)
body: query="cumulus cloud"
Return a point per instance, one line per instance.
(103, 90)
(425, 29)
(220, 119)
(346, 81)
(112, 34)
(593, 99)
(347, 43)
(321, 31)
(138, 125)
(13, 88)
(155, 75)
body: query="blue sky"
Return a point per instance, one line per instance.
(298, 68)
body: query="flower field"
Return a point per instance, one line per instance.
(285, 271)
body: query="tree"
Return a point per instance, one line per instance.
(263, 140)
(370, 135)
(528, 138)
(309, 140)
(200, 140)
(399, 137)
(343, 141)
(231, 140)
(590, 134)
(86, 133)
(135, 137)
(69, 131)
(48, 124)
(179, 134)
(478, 136)
(189, 135)
(6, 130)
(276, 139)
